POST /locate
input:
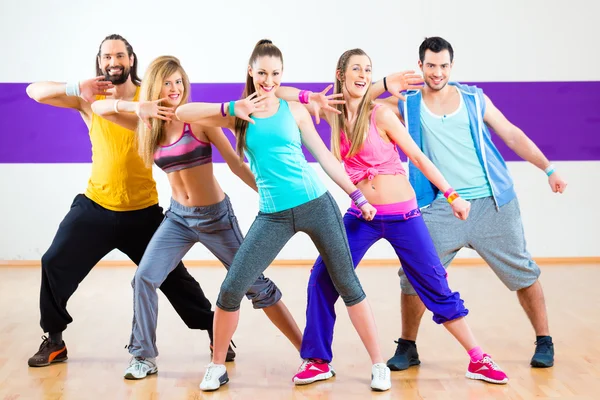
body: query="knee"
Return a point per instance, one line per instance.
(229, 296)
(406, 287)
(143, 279)
(49, 260)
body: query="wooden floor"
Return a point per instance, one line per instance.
(102, 310)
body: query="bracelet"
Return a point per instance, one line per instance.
(358, 198)
(72, 89)
(304, 96)
(448, 192)
(451, 195)
(232, 108)
(385, 83)
(223, 110)
(115, 106)
(550, 169)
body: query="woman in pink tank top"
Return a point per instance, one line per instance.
(365, 137)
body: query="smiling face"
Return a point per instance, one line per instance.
(114, 62)
(266, 74)
(357, 75)
(173, 90)
(436, 68)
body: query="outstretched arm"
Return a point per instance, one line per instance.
(69, 95)
(319, 104)
(118, 111)
(221, 115)
(387, 121)
(518, 142)
(396, 83)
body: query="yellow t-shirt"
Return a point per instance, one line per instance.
(120, 181)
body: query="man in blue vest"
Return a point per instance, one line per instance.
(449, 121)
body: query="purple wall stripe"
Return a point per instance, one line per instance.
(562, 118)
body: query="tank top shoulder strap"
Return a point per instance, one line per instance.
(374, 117)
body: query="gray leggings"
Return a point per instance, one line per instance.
(214, 226)
(322, 221)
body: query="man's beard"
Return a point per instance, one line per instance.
(118, 79)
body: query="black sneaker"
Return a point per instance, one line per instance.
(48, 353)
(544, 353)
(406, 355)
(230, 353)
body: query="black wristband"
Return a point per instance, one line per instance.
(385, 84)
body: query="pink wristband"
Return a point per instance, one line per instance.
(448, 192)
(304, 96)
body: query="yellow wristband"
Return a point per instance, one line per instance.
(453, 196)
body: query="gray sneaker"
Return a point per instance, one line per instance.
(140, 367)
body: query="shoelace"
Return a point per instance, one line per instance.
(402, 346)
(543, 347)
(303, 366)
(381, 372)
(137, 362)
(488, 360)
(45, 343)
(210, 368)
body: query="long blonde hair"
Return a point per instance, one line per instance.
(359, 132)
(263, 47)
(159, 70)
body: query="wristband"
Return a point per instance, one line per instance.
(115, 106)
(385, 83)
(451, 195)
(232, 108)
(304, 96)
(72, 89)
(550, 170)
(358, 198)
(223, 110)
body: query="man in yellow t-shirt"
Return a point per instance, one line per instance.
(119, 209)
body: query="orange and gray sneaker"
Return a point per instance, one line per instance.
(48, 353)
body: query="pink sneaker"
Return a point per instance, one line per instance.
(486, 370)
(311, 371)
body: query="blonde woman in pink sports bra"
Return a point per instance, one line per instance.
(364, 136)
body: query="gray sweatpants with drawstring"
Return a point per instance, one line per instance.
(214, 226)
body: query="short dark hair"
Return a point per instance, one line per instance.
(435, 44)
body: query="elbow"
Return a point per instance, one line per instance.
(32, 93)
(180, 113)
(418, 159)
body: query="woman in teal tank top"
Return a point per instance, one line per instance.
(270, 133)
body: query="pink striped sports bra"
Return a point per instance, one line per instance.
(187, 152)
(374, 158)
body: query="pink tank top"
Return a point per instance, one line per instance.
(374, 158)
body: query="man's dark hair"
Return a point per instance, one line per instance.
(435, 44)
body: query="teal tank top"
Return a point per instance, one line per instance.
(274, 151)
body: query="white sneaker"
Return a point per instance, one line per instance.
(380, 377)
(215, 376)
(140, 367)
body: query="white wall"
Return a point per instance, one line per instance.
(511, 40)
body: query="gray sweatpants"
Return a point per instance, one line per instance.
(321, 220)
(214, 226)
(496, 235)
